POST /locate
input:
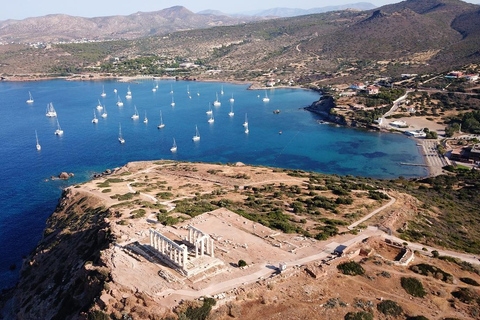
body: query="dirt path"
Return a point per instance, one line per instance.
(374, 212)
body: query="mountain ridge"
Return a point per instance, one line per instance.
(62, 27)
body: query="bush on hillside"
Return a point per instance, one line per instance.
(390, 308)
(351, 268)
(413, 287)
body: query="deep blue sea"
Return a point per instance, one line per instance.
(26, 199)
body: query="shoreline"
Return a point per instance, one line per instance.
(431, 171)
(253, 85)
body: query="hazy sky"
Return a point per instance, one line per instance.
(95, 8)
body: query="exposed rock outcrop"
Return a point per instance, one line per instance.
(64, 274)
(324, 108)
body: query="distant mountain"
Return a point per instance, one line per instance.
(293, 12)
(61, 27)
(412, 36)
(405, 28)
(214, 12)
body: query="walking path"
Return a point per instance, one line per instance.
(374, 212)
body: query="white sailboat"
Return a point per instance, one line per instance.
(99, 106)
(231, 99)
(246, 129)
(50, 111)
(217, 103)
(173, 103)
(171, 89)
(174, 147)
(30, 98)
(135, 115)
(119, 102)
(145, 120)
(59, 130)
(104, 114)
(120, 137)
(129, 93)
(161, 125)
(196, 137)
(231, 114)
(154, 89)
(114, 90)
(245, 124)
(211, 120)
(266, 98)
(221, 91)
(38, 144)
(188, 90)
(103, 94)
(209, 112)
(94, 120)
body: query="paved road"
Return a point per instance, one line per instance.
(419, 247)
(265, 270)
(394, 107)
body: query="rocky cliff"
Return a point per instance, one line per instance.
(324, 108)
(64, 274)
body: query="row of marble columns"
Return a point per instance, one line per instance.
(176, 253)
(202, 242)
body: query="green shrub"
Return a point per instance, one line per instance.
(413, 287)
(242, 263)
(123, 197)
(432, 271)
(98, 315)
(202, 312)
(139, 213)
(106, 190)
(362, 315)
(467, 295)
(470, 281)
(351, 268)
(389, 308)
(167, 220)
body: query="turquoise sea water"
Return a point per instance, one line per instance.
(26, 199)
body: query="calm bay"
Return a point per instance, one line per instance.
(292, 138)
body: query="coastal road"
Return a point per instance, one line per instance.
(394, 107)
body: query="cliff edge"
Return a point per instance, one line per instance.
(63, 275)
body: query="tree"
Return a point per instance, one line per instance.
(242, 263)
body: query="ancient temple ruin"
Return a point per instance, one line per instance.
(177, 254)
(185, 257)
(201, 241)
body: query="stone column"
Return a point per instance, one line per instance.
(211, 248)
(202, 250)
(185, 256)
